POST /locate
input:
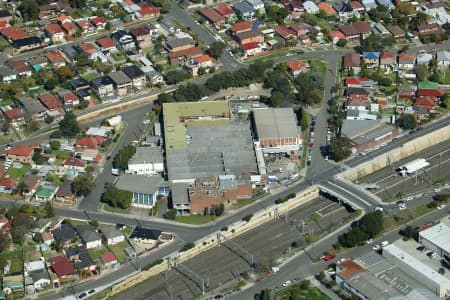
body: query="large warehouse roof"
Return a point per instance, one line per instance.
(176, 114)
(275, 123)
(439, 235)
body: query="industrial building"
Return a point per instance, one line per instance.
(276, 130)
(413, 166)
(374, 277)
(437, 238)
(367, 134)
(409, 262)
(202, 140)
(146, 161)
(145, 189)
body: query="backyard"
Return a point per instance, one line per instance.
(18, 173)
(16, 259)
(119, 250)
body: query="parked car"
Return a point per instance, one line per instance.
(441, 206)
(328, 257)
(384, 244)
(369, 241)
(376, 248)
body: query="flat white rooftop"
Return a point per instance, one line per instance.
(439, 235)
(414, 165)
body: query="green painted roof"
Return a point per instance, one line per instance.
(181, 114)
(428, 85)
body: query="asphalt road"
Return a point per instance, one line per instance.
(302, 266)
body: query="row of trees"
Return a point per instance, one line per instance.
(366, 228)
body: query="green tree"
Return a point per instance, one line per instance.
(21, 188)
(216, 49)
(29, 10)
(407, 121)
(48, 209)
(171, 214)
(276, 99)
(49, 119)
(83, 185)
(69, 126)
(27, 209)
(21, 224)
(340, 148)
(4, 242)
(176, 76)
(64, 73)
(55, 145)
(125, 154)
(117, 198)
(50, 84)
(341, 43)
(37, 158)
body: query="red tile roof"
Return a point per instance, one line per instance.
(53, 28)
(337, 34)
(212, 15)
(21, 151)
(83, 24)
(20, 66)
(98, 21)
(50, 101)
(406, 58)
(61, 266)
(106, 42)
(67, 97)
(352, 60)
(203, 58)
(108, 257)
(68, 27)
(225, 10)
(355, 80)
(14, 33)
(430, 92)
(349, 269)
(75, 162)
(13, 114)
(284, 32)
(89, 142)
(326, 7)
(88, 48)
(250, 46)
(55, 57)
(356, 5)
(3, 24)
(188, 53)
(428, 102)
(385, 55)
(241, 26)
(9, 183)
(296, 65)
(150, 11)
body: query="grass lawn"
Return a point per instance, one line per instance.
(194, 219)
(404, 216)
(269, 56)
(108, 208)
(119, 250)
(90, 75)
(61, 154)
(444, 78)
(16, 261)
(309, 294)
(97, 252)
(317, 65)
(242, 202)
(18, 173)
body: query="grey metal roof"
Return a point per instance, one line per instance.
(101, 81)
(119, 77)
(275, 123)
(4, 71)
(139, 184)
(174, 42)
(243, 7)
(65, 189)
(87, 233)
(39, 274)
(110, 232)
(179, 193)
(351, 128)
(133, 71)
(32, 106)
(147, 154)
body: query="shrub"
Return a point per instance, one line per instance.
(152, 264)
(187, 246)
(247, 217)
(224, 228)
(171, 214)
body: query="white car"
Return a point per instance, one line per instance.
(384, 244)
(409, 198)
(376, 248)
(436, 190)
(441, 206)
(369, 241)
(287, 283)
(341, 260)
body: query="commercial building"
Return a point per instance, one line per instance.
(146, 161)
(374, 277)
(201, 140)
(276, 130)
(366, 134)
(422, 272)
(145, 189)
(413, 166)
(437, 238)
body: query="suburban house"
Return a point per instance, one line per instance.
(123, 40)
(20, 66)
(103, 86)
(136, 75)
(251, 36)
(62, 268)
(65, 234)
(7, 185)
(50, 101)
(311, 8)
(241, 27)
(149, 11)
(388, 62)
(108, 259)
(371, 59)
(112, 235)
(121, 82)
(213, 17)
(89, 142)
(27, 43)
(352, 61)
(424, 59)
(47, 237)
(396, 31)
(226, 11)
(7, 75)
(32, 182)
(356, 30)
(76, 164)
(106, 44)
(89, 49)
(145, 235)
(65, 192)
(15, 117)
(21, 154)
(80, 258)
(184, 55)
(296, 67)
(142, 35)
(406, 61)
(89, 236)
(245, 11)
(33, 108)
(85, 26)
(45, 192)
(99, 22)
(178, 43)
(430, 29)
(40, 279)
(443, 59)
(55, 32)
(56, 59)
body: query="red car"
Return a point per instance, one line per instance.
(311, 145)
(328, 257)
